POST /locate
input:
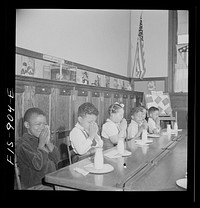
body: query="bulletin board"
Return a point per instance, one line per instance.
(161, 101)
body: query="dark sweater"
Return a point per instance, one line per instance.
(34, 163)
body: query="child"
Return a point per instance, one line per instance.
(138, 123)
(144, 117)
(84, 135)
(115, 126)
(154, 121)
(36, 155)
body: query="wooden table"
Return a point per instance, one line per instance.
(153, 167)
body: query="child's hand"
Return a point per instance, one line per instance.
(145, 124)
(93, 129)
(43, 137)
(49, 134)
(50, 146)
(140, 129)
(157, 121)
(123, 124)
(156, 131)
(99, 141)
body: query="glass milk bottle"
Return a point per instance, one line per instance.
(98, 158)
(144, 135)
(175, 126)
(120, 146)
(168, 129)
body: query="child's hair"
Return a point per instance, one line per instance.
(142, 107)
(136, 110)
(87, 108)
(32, 111)
(114, 108)
(152, 109)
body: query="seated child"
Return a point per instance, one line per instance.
(154, 121)
(36, 154)
(144, 117)
(115, 126)
(138, 123)
(84, 135)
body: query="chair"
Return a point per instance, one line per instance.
(66, 143)
(64, 146)
(17, 174)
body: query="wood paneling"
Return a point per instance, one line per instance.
(19, 111)
(60, 101)
(63, 112)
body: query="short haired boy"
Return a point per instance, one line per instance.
(115, 126)
(154, 121)
(137, 124)
(36, 154)
(84, 135)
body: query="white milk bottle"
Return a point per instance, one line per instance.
(175, 126)
(144, 135)
(168, 129)
(120, 146)
(98, 158)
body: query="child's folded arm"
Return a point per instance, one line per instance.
(35, 159)
(99, 141)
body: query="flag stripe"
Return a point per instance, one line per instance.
(139, 62)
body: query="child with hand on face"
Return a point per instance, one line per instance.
(115, 126)
(154, 121)
(36, 154)
(84, 137)
(138, 123)
(144, 117)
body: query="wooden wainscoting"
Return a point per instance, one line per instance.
(60, 101)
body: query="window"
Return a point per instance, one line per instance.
(182, 50)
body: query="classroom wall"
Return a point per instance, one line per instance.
(96, 38)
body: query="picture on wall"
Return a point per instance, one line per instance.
(107, 81)
(28, 66)
(120, 84)
(95, 79)
(85, 77)
(67, 73)
(79, 76)
(151, 85)
(55, 72)
(115, 83)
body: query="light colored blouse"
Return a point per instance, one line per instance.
(132, 129)
(109, 129)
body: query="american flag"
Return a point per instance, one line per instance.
(139, 67)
